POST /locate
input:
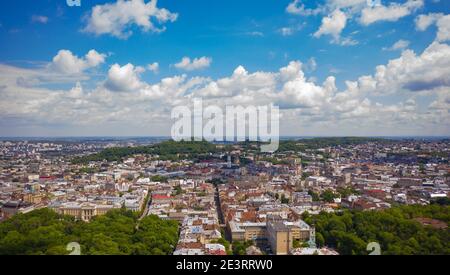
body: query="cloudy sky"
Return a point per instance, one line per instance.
(118, 67)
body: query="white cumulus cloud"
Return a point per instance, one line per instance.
(332, 25)
(68, 63)
(389, 101)
(337, 13)
(423, 21)
(411, 72)
(196, 64)
(124, 78)
(443, 25)
(442, 22)
(399, 45)
(298, 8)
(154, 67)
(392, 12)
(117, 19)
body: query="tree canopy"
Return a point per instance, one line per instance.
(44, 232)
(395, 229)
(168, 150)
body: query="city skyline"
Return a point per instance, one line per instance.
(324, 196)
(118, 68)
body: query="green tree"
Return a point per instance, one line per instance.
(328, 196)
(320, 241)
(118, 232)
(395, 229)
(314, 195)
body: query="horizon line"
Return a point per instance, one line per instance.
(281, 136)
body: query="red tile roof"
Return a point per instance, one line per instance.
(160, 197)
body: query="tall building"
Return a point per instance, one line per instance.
(298, 166)
(280, 237)
(281, 234)
(277, 232)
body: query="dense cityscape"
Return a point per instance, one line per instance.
(321, 196)
(222, 135)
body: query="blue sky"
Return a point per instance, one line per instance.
(220, 29)
(261, 36)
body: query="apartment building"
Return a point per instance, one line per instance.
(277, 232)
(246, 231)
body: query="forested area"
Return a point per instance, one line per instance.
(168, 150)
(322, 142)
(44, 232)
(172, 150)
(396, 230)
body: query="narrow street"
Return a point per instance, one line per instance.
(147, 204)
(220, 214)
(145, 212)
